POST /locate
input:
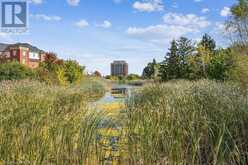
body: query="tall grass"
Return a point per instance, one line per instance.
(188, 123)
(181, 122)
(41, 124)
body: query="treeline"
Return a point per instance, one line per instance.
(52, 71)
(187, 60)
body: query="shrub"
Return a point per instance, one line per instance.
(60, 72)
(73, 71)
(238, 71)
(15, 71)
(133, 77)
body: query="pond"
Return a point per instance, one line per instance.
(111, 128)
(118, 94)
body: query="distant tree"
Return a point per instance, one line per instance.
(199, 63)
(220, 65)
(208, 64)
(170, 67)
(151, 71)
(185, 49)
(133, 77)
(73, 71)
(208, 43)
(57, 71)
(237, 24)
(108, 77)
(15, 71)
(97, 74)
(51, 62)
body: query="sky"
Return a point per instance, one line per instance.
(96, 32)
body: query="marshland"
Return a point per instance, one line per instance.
(191, 108)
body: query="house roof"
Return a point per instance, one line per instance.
(3, 46)
(27, 45)
(31, 47)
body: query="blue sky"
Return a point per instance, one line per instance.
(96, 32)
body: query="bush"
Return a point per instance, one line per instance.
(239, 71)
(188, 123)
(60, 72)
(15, 71)
(133, 77)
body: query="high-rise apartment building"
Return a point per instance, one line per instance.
(119, 68)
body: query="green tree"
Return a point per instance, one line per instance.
(15, 71)
(73, 71)
(54, 70)
(185, 49)
(170, 67)
(237, 24)
(151, 71)
(199, 63)
(133, 77)
(208, 43)
(220, 65)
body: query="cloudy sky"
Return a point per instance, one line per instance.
(96, 32)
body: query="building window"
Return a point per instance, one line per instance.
(33, 55)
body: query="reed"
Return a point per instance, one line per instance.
(184, 122)
(42, 124)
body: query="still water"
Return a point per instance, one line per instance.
(111, 128)
(117, 94)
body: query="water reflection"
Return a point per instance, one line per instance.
(110, 129)
(119, 92)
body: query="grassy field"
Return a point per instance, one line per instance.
(179, 122)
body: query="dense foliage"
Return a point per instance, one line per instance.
(151, 71)
(186, 60)
(15, 71)
(62, 72)
(52, 71)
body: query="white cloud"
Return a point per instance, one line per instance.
(205, 10)
(105, 24)
(226, 11)
(82, 23)
(197, 0)
(148, 5)
(73, 2)
(156, 32)
(45, 17)
(174, 26)
(189, 20)
(221, 28)
(36, 1)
